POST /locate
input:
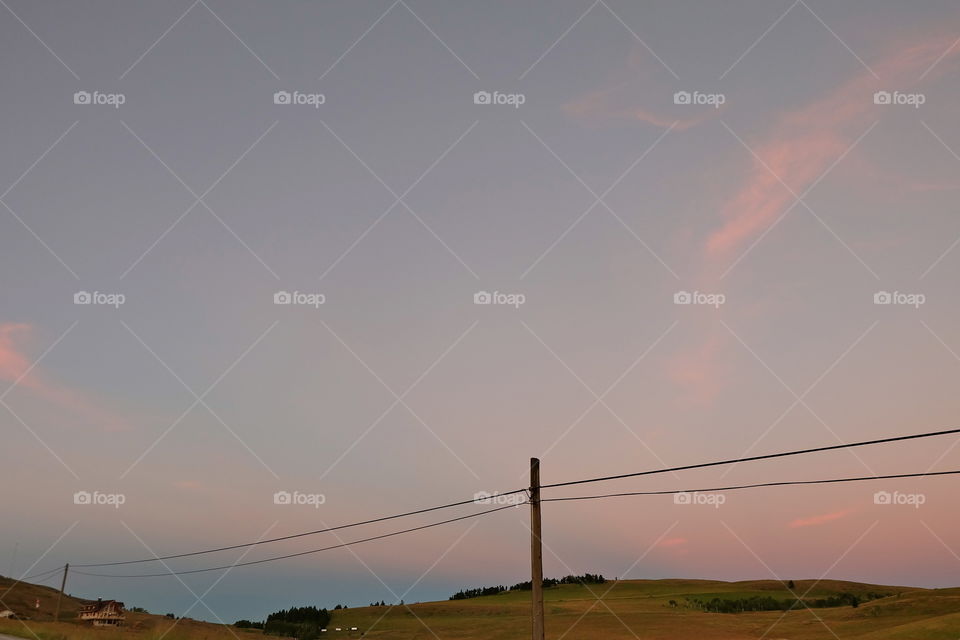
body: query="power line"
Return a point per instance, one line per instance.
(302, 553)
(43, 573)
(767, 456)
(752, 486)
(295, 535)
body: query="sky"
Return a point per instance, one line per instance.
(377, 255)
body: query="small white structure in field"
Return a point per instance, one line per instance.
(353, 628)
(6, 613)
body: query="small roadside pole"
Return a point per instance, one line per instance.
(536, 550)
(63, 585)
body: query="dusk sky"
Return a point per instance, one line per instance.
(707, 230)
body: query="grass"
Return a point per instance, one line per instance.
(629, 609)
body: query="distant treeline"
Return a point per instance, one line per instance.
(303, 623)
(769, 603)
(587, 578)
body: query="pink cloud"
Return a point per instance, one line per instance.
(813, 521)
(15, 368)
(804, 143)
(698, 369)
(672, 542)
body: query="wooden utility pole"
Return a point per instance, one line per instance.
(63, 585)
(536, 550)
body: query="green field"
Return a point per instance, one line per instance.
(626, 609)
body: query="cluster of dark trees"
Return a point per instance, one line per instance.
(303, 623)
(587, 578)
(769, 603)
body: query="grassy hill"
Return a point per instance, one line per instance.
(627, 609)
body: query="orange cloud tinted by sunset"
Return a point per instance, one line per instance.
(672, 542)
(17, 368)
(805, 142)
(813, 521)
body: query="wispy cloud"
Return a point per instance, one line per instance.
(817, 520)
(804, 143)
(15, 368)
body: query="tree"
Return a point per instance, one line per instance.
(790, 585)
